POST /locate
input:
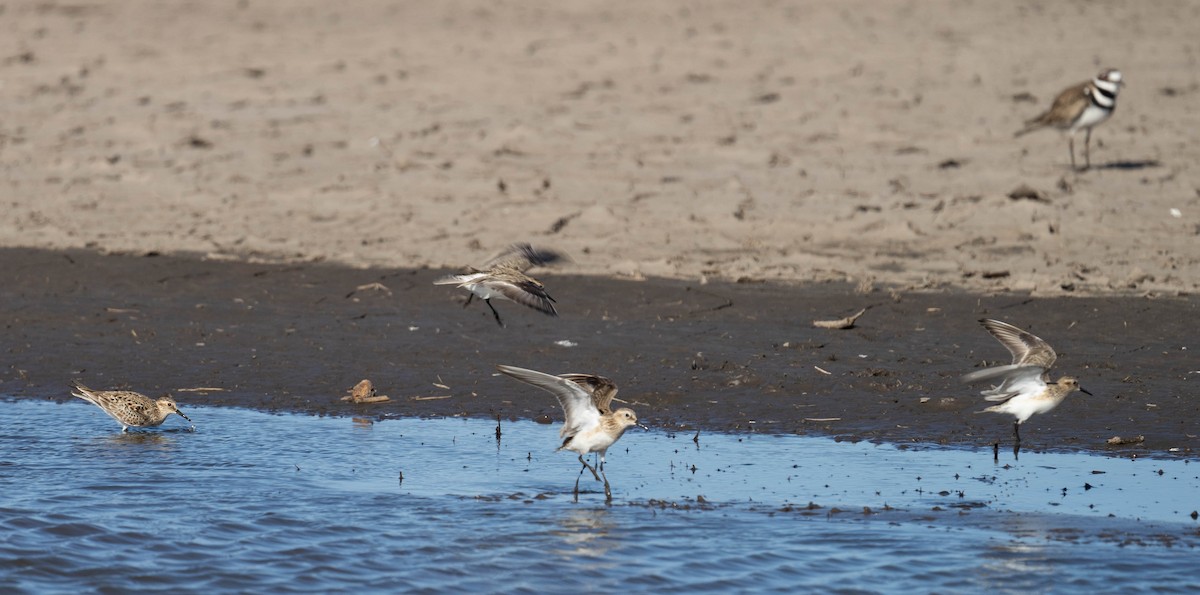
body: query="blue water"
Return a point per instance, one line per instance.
(251, 501)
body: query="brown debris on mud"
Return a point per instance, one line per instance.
(288, 337)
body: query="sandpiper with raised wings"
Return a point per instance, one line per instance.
(130, 409)
(590, 425)
(1024, 388)
(504, 277)
(1026, 348)
(1081, 106)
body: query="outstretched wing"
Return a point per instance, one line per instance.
(601, 389)
(460, 280)
(1014, 379)
(523, 256)
(526, 292)
(1026, 348)
(575, 400)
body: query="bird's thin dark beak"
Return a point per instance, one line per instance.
(182, 415)
(643, 426)
(1085, 391)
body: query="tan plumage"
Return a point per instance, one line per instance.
(1067, 106)
(522, 257)
(590, 425)
(1024, 392)
(130, 409)
(600, 388)
(1081, 106)
(504, 277)
(1025, 388)
(1026, 348)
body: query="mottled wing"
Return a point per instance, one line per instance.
(600, 388)
(127, 407)
(526, 292)
(523, 256)
(576, 402)
(137, 404)
(1026, 348)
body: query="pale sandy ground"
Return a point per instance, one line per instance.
(789, 141)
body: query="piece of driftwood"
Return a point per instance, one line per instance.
(432, 398)
(364, 392)
(1118, 441)
(841, 323)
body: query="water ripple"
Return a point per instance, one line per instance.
(254, 502)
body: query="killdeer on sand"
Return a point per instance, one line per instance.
(1081, 106)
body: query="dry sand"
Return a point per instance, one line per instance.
(868, 142)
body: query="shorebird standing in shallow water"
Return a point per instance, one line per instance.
(1024, 388)
(504, 277)
(1080, 106)
(590, 425)
(130, 409)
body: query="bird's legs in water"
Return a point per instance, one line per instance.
(1017, 443)
(589, 468)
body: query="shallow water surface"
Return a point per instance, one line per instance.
(295, 503)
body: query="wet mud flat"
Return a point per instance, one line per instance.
(688, 355)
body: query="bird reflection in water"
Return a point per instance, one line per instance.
(587, 532)
(1025, 560)
(137, 439)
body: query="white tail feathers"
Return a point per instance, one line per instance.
(456, 279)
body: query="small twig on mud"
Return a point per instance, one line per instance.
(841, 323)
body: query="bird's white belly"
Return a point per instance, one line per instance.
(483, 291)
(1023, 407)
(594, 440)
(1091, 116)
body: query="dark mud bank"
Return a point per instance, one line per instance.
(716, 356)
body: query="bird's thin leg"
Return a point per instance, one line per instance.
(607, 488)
(470, 296)
(494, 312)
(1071, 145)
(1087, 150)
(577, 481)
(1017, 431)
(589, 468)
